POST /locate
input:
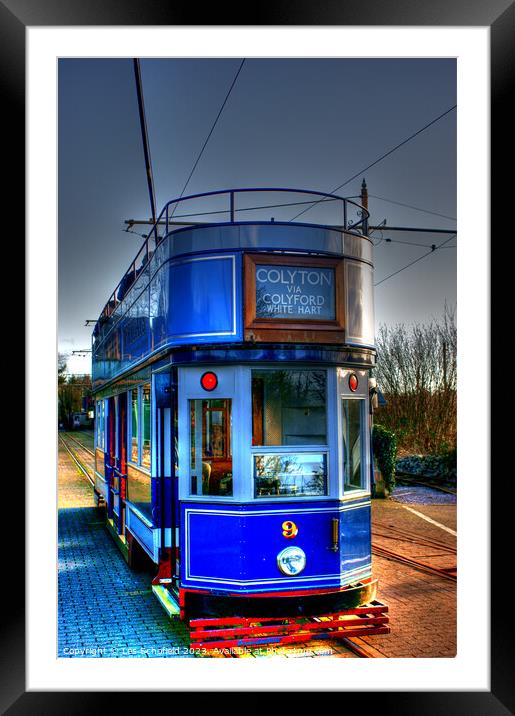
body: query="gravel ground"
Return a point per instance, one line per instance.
(420, 495)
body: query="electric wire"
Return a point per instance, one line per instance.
(416, 260)
(383, 156)
(211, 131)
(412, 243)
(410, 206)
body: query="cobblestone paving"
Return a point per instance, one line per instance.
(106, 609)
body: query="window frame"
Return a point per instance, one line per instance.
(228, 448)
(100, 425)
(361, 394)
(324, 449)
(364, 472)
(138, 465)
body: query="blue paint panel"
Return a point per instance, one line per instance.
(142, 533)
(202, 299)
(215, 546)
(234, 548)
(264, 540)
(194, 300)
(355, 548)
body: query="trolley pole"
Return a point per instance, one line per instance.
(144, 135)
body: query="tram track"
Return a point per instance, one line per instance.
(384, 531)
(412, 537)
(81, 445)
(83, 467)
(449, 573)
(409, 479)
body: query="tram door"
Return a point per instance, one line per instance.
(121, 460)
(165, 442)
(110, 457)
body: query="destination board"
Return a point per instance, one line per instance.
(295, 292)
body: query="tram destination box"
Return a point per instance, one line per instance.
(294, 298)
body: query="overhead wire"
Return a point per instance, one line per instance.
(210, 131)
(433, 250)
(409, 243)
(383, 156)
(410, 206)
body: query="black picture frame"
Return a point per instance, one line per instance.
(15, 16)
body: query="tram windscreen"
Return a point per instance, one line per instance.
(289, 407)
(210, 447)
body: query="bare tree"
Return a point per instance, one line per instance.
(61, 367)
(417, 373)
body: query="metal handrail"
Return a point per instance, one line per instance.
(153, 240)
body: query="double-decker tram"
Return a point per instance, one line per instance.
(231, 379)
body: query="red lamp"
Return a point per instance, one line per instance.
(209, 380)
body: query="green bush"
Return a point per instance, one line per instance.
(384, 444)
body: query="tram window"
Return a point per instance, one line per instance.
(145, 425)
(100, 424)
(134, 426)
(295, 474)
(139, 426)
(210, 447)
(289, 407)
(353, 467)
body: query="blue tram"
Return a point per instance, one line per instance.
(231, 379)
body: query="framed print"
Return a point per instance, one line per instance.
(252, 298)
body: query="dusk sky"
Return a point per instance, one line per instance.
(302, 123)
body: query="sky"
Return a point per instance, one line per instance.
(301, 123)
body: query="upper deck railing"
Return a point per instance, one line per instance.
(225, 207)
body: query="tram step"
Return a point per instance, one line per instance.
(167, 601)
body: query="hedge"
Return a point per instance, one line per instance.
(384, 444)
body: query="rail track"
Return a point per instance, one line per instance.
(88, 435)
(409, 479)
(83, 464)
(386, 531)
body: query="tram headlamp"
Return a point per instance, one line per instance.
(291, 561)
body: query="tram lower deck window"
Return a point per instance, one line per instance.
(134, 425)
(289, 407)
(139, 426)
(289, 475)
(100, 424)
(289, 410)
(145, 425)
(210, 447)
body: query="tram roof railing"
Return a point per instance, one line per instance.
(153, 239)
